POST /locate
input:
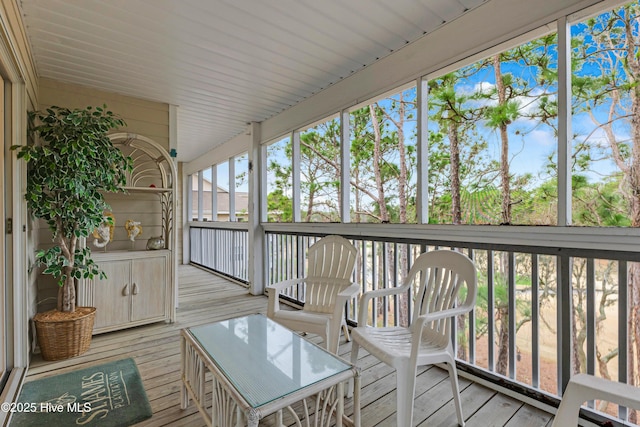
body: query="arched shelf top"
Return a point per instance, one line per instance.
(153, 168)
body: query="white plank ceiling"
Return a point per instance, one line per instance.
(224, 63)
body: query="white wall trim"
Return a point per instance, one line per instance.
(20, 246)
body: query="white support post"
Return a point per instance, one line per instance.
(200, 194)
(295, 171)
(214, 193)
(173, 133)
(20, 247)
(422, 202)
(173, 152)
(564, 122)
(564, 295)
(187, 211)
(189, 216)
(257, 193)
(345, 167)
(263, 184)
(232, 189)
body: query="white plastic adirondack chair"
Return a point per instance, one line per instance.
(330, 265)
(441, 275)
(583, 387)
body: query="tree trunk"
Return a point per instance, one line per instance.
(454, 153)
(384, 214)
(67, 293)
(402, 180)
(403, 298)
(504, 138)
(633, 356)
(503, 342)
(462, 344)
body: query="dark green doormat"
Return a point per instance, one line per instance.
(109, 395)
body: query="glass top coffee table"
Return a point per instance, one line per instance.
(259, 367)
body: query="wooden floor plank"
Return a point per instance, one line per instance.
(206, 298)
(528, 416)
(497, 411)
(473, 398)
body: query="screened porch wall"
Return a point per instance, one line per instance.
(533, 279)
(530, 298)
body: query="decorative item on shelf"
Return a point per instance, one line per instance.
(104, 232)
(72, 208)
(134, 229)
(155, 243)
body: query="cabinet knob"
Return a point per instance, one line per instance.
(135, 289)
(125, 290)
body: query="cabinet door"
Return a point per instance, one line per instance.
(149, 288)
(112, 295)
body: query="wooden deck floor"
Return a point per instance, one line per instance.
(206, 298)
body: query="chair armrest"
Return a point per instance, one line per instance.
(286, 284)
(273, 292)
(432, 317)
(583, 387)
(451, 312)
(351, 291)
(369, 295)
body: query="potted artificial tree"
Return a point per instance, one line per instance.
(71, 164)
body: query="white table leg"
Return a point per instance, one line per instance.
(340, 409)
(356, 401)
(279, 419)
(184, 396)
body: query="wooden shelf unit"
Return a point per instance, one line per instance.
(141, 284)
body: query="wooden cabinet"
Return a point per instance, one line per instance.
(141, 284)
(134, 293)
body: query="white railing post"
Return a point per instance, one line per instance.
(564, 322)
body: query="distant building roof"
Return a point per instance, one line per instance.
(241, 199)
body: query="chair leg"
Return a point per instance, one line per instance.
(405, 390)
(345, 329)
(455, 387)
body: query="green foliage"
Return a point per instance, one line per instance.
(54, 262)
(70, 166)
(279, 207)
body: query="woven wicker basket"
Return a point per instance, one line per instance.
(62, 339)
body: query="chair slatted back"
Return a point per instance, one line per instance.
(442, 275)
(330, 264)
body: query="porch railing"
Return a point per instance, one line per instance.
(543, 312)
(552, 301)
(223, 248)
